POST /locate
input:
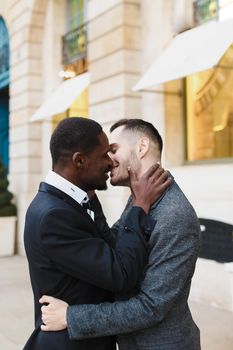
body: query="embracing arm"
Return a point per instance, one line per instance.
(170, 268)
(91, 259)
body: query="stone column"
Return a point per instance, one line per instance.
(114, 64)
(114, 58)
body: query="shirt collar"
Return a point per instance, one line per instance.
(67, 187)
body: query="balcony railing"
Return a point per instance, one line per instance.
(74, 45)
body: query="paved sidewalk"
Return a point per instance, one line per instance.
(16, 310)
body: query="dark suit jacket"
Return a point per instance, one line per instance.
(70, 258)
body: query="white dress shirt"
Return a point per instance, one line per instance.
(67, 187)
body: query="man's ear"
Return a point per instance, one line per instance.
(78, 159)
(143, 147)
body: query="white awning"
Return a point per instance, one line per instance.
(62, 97)
(192, 51)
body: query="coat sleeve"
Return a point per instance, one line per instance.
(170, 268)
(91, 259)
(107, 233)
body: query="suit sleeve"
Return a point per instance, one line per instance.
(170, 267)
(91, 259)
(111, 234)
(107, 233)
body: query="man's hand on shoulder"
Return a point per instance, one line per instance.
(149, 187)
(53, 313)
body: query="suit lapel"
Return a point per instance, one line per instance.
(44, 187)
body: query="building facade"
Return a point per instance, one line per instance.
(115, 41)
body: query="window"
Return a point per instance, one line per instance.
(74, 42)
(209, 98)
(75, 14)
(205, 10)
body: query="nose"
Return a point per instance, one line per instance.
(110, 162)
(113, 159)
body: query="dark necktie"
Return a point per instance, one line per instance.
(86, 205)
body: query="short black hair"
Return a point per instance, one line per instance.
(75, 134)
(140, 125)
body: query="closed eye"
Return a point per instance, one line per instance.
(113, 149)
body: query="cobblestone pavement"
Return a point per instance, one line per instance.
(16, 309)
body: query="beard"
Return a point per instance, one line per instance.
(122, 177)
(97, 186)
(103, 187)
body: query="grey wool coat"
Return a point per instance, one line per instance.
(157, 315)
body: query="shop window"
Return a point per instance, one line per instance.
(209, 102)
(79, 108)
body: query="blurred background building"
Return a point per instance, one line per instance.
(105, 59)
